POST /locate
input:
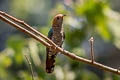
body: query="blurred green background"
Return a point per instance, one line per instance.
(85, 18)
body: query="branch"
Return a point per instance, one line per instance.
(91, 48)
(50, 44)
(27, 26)
(30, 65)
(24, 30)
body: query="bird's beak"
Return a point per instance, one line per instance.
(64, 15)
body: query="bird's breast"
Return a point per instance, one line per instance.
(58, 38)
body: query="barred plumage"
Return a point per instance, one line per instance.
(56, 34)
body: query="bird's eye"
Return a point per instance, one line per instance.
(57, 18)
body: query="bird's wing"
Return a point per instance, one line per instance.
(64, 35)
(50, 33)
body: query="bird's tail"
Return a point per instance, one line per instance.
(50, 61)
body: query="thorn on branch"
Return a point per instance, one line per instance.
(91, 40)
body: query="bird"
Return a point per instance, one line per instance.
(57, 35)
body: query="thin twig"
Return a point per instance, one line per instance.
(68, 54)
(27, 26)
(30, 65)
(92, 49)
(24, 30)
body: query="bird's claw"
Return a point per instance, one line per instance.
(54, 48)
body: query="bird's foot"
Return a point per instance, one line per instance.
(53, 48)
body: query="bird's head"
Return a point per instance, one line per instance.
(58, 20)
